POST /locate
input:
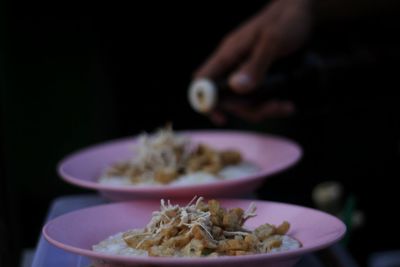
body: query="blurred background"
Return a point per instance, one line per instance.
(76, 74)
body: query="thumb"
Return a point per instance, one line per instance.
(252, 72)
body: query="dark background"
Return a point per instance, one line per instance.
(75, 74)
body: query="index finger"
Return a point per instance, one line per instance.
(226, 57)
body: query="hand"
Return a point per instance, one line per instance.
(279, 29)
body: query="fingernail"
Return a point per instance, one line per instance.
(240, 81)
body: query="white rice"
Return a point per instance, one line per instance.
(115, 245)
(230, 172)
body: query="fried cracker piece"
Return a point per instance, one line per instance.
(161, 251)
(204, 237)
(178, 241)
(283, 228)
(133, 238)
(194, 248)
(233, 219)
(230, 157)
(217, 213)
(165, 176)
(274, 241)
(204, 159)
(228, 245)
(264, 231)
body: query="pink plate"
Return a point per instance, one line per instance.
(270, 153)
(78, 231)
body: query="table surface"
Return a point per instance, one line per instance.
(47, 255)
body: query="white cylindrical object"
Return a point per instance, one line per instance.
(202, 95)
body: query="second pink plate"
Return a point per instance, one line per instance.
(271, 154)
(78, 231)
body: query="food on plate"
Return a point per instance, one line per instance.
(200, 229)
(168, 158)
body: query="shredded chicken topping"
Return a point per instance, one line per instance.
(204, 229)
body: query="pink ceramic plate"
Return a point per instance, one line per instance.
(78, 231)
(270, 153)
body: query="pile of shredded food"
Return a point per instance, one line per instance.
(200, 229)
(165, 158)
